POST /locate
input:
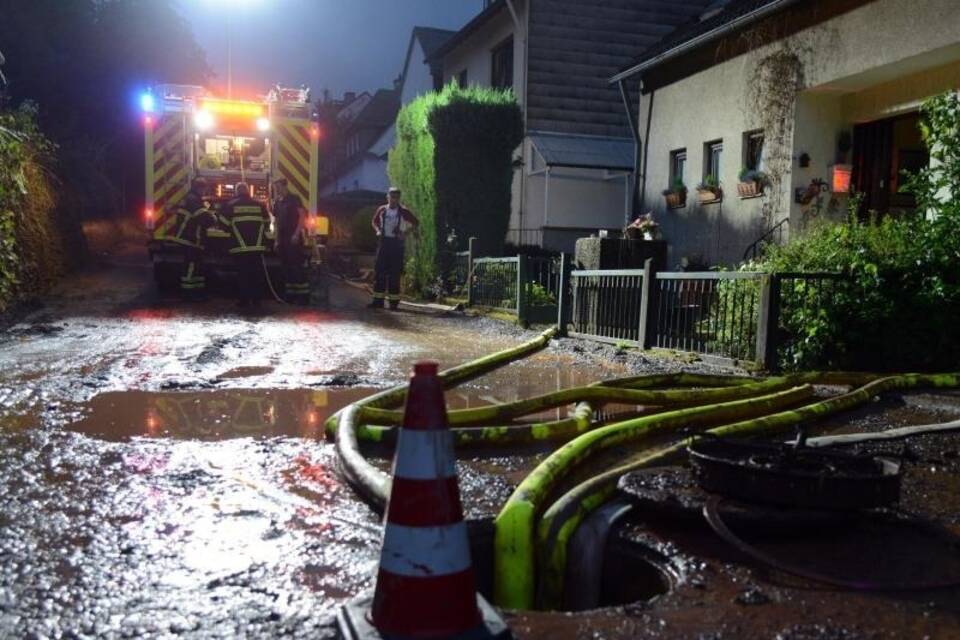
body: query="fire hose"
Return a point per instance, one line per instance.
(531, 533)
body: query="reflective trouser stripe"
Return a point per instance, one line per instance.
(425, 551)
(377, 295)
(393, 298)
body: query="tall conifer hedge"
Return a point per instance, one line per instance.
(453, 161)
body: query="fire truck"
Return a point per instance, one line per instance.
(188, 133)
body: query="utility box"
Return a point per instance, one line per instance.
(619, 253)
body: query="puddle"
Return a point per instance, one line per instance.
(214, 415)
(245, 372)
(240, 413)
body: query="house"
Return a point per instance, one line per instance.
(819, 95)
(350, 165)
(574, 170)
(417, 78)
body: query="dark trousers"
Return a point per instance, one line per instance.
(193, 284)
(387, 271)
(296, 285)
(250, 283)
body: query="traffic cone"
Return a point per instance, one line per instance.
(426, 586)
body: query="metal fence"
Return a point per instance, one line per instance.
(711, 313)
(803, 297)
(605, 305)
(725, 316)
(494, 282)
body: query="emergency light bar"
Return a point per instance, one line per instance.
(233, 108)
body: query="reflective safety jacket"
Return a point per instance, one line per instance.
(247, 220)
(192, 221)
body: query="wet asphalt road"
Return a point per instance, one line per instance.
(163, 470)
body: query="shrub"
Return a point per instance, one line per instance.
(453, 161)
(35, 236)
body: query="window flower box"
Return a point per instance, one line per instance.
(676, 195)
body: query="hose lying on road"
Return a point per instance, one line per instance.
(890, 434)
(514, 567)
(561, 519)
(595, 395)
(577, 422)
(367, 480)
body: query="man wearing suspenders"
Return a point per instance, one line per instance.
(389, 222)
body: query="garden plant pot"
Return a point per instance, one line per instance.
(749, 189)
(676, 200)
(707, 196)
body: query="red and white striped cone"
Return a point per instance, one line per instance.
(425, 586)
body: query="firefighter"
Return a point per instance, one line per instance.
(290, 217)
(193, 219)
(247, 220)
(388, 222)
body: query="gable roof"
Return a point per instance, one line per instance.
(381, 111)
(730, 15)
(430, 40)
(467, 30)
(574, 46)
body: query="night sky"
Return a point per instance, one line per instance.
(340, 45)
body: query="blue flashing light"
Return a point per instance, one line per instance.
(147, 102)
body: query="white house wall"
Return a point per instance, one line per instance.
(417, 80)
(861, 65)
(474, 53)
(368, 175)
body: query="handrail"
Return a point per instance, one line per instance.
(753, 250)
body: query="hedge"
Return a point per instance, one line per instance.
(453, 161)
(38, 241)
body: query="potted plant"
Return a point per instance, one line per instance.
(709, 190)
(676, 194)
(752, 183)
(644, 227)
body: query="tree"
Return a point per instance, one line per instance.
(83, 62)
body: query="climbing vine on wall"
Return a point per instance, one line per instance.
(774, 85)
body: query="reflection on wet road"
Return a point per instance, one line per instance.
(163, 469)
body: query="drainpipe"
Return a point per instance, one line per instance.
(635, 132)
(520, 30)
(646, 149)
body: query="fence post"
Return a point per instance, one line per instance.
(648, 305)
(522, 290)
(563, 295)
(768, 322)
(470, 245)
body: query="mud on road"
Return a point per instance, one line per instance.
(163, 467)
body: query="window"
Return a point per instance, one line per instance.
(712, 154)
(678, 167)
(753, 150)
(501, 65)
(462, 78)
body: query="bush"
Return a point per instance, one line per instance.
(453, 161)
(38, 242)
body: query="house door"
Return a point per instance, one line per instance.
(882, 151)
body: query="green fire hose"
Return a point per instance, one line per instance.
(561, 519)
(514, 570)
